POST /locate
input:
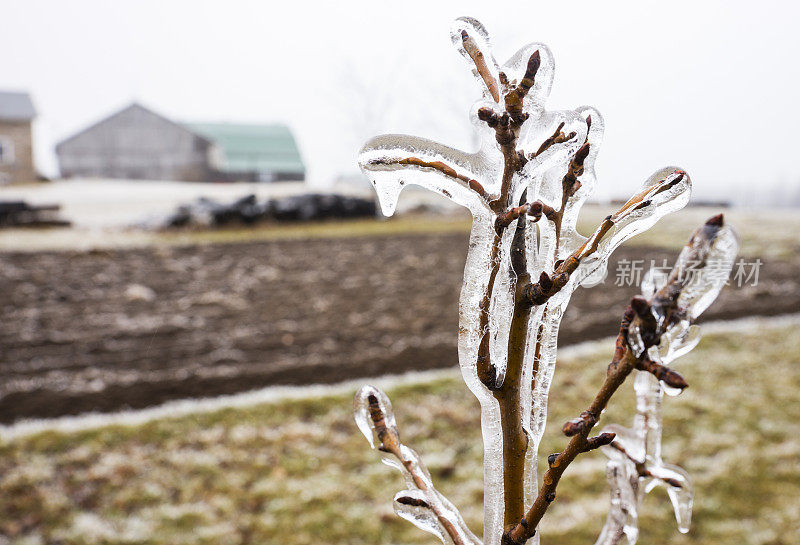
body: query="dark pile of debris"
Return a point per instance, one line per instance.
(248, 210)
(22, 214)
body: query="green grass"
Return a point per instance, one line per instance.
(298, 472)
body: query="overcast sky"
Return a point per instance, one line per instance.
(709, 86)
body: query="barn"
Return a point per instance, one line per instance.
(16, 141)
(137, 143)
(257, 153)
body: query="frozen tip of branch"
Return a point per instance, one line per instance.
(488, 116)
(411, 501)
(534, 63)
(663, 373)
(716, 221)
(375, 418)
(581, 154)
(601, 440)
(481, 67)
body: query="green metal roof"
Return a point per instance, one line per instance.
(260, 148)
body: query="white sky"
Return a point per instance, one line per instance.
(709, 86)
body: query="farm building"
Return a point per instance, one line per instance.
(16, 142)
(258, 153)
(137, 143)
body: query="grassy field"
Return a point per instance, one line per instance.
(764, 233)
(298, 472)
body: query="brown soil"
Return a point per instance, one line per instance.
(106, 330)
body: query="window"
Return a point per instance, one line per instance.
(6, 150)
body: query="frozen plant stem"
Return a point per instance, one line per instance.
(524, 188)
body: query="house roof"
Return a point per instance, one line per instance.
(16, 106)
(260, 148)
(130, 107)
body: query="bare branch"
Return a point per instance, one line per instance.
(478, 58)
(514, 98)
(663, 373)
(439, 166)
(534, 209)
(557, 137)
(373, 410)
(579, 429)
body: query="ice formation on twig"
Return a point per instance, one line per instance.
(524, 187)
(635, 465)
(421, 504)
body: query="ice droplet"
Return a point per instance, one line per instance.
(370, 396)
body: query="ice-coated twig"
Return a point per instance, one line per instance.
(472, 40)
(421, 504)
(579, 429)
(524, 186)
(635, 465)
(667, 309)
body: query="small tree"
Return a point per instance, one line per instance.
(524, 188)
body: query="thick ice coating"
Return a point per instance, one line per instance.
(534, 168)
(635, 464)
(421, 504)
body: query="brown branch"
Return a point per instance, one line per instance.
(641, 467)
(534, 209)
(482, 68)
(618, 370)
(663, 373)
(487, 373)
(538, 293)
(514, 98)
(556, 138)
(600, 441)
(515, 439)
(390, 442)
(570, 183)
(439, 166)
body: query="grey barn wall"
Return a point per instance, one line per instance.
(136, 144)
(21, 169)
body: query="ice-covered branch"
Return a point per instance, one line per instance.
(661, 333)
(472, 40)
(525, 186)
(622, 364)
(421, 504)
